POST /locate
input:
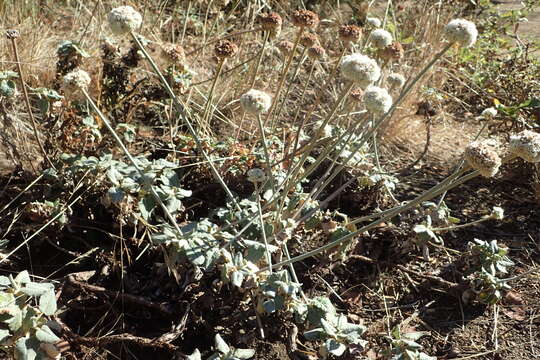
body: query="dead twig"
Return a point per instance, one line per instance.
(126, 298)
(112, 339)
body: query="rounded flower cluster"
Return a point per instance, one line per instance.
(225, 49)
(286, 47)
(377, 100)
(309, 39)
(396, 80)
(173, 53)
(526, 145)
(349, 33)
(272, 23)
(305, 18)
(380, 38)
(75, 81)
(124, 19)
(373, 22)
(462, 32)
(483, 158)
(256, 101)
(490, 112)
(256, 175)
(394, 51)
(316, 52)
(357, 95)
(360, 69)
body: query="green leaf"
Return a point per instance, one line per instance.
(195, 356)
(147, 206)
(335, 348)
(47, 93)
(22, 278)
(221, 345)
(4, 334)
(46, 335)
(36, 289)
(47, 303)
(15, 323)
(7, 88)
(243, 353)
(116, 195)
(6, 75)
(27, 348)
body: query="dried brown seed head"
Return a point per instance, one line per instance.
(270, 21)
(309, 39)
(225, 49)
(305, 18)
(394, 51)
(285, 47)
(316, 52)
(357, 95)
(349, 33)
(173, 53)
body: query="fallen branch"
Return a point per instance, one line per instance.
(127, 298)
(74, 338)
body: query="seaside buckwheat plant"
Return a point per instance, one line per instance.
(225, 49)
(271, 22)
(25, 307)
(360, 69)
(377, 100)
(305, 19)
(76, 81)
(373, 22)
(483, 158)
(349, 33)
(489, 112)
(285, 47)
(526, 145)
(316, 53)
(462, 32)
(255, 101)
(396, 80)
(380, 38)
(124, 19)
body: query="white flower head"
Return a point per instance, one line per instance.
(373, 22)
(497, 213)
(124, 19)
(256, 175)
(256, 101)
(483, 158)
(489, 112)
(396, 80)
(526, 145)
(377, 100)
(360, 69)
(461, 31)
(75, 81)
(380, 38)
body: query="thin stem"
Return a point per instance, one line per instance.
(289, 87)
(263, 231)
(259, 60)
(284, 75)
(429, 194)
(461, 226)
(182, 112)
(207, 113)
